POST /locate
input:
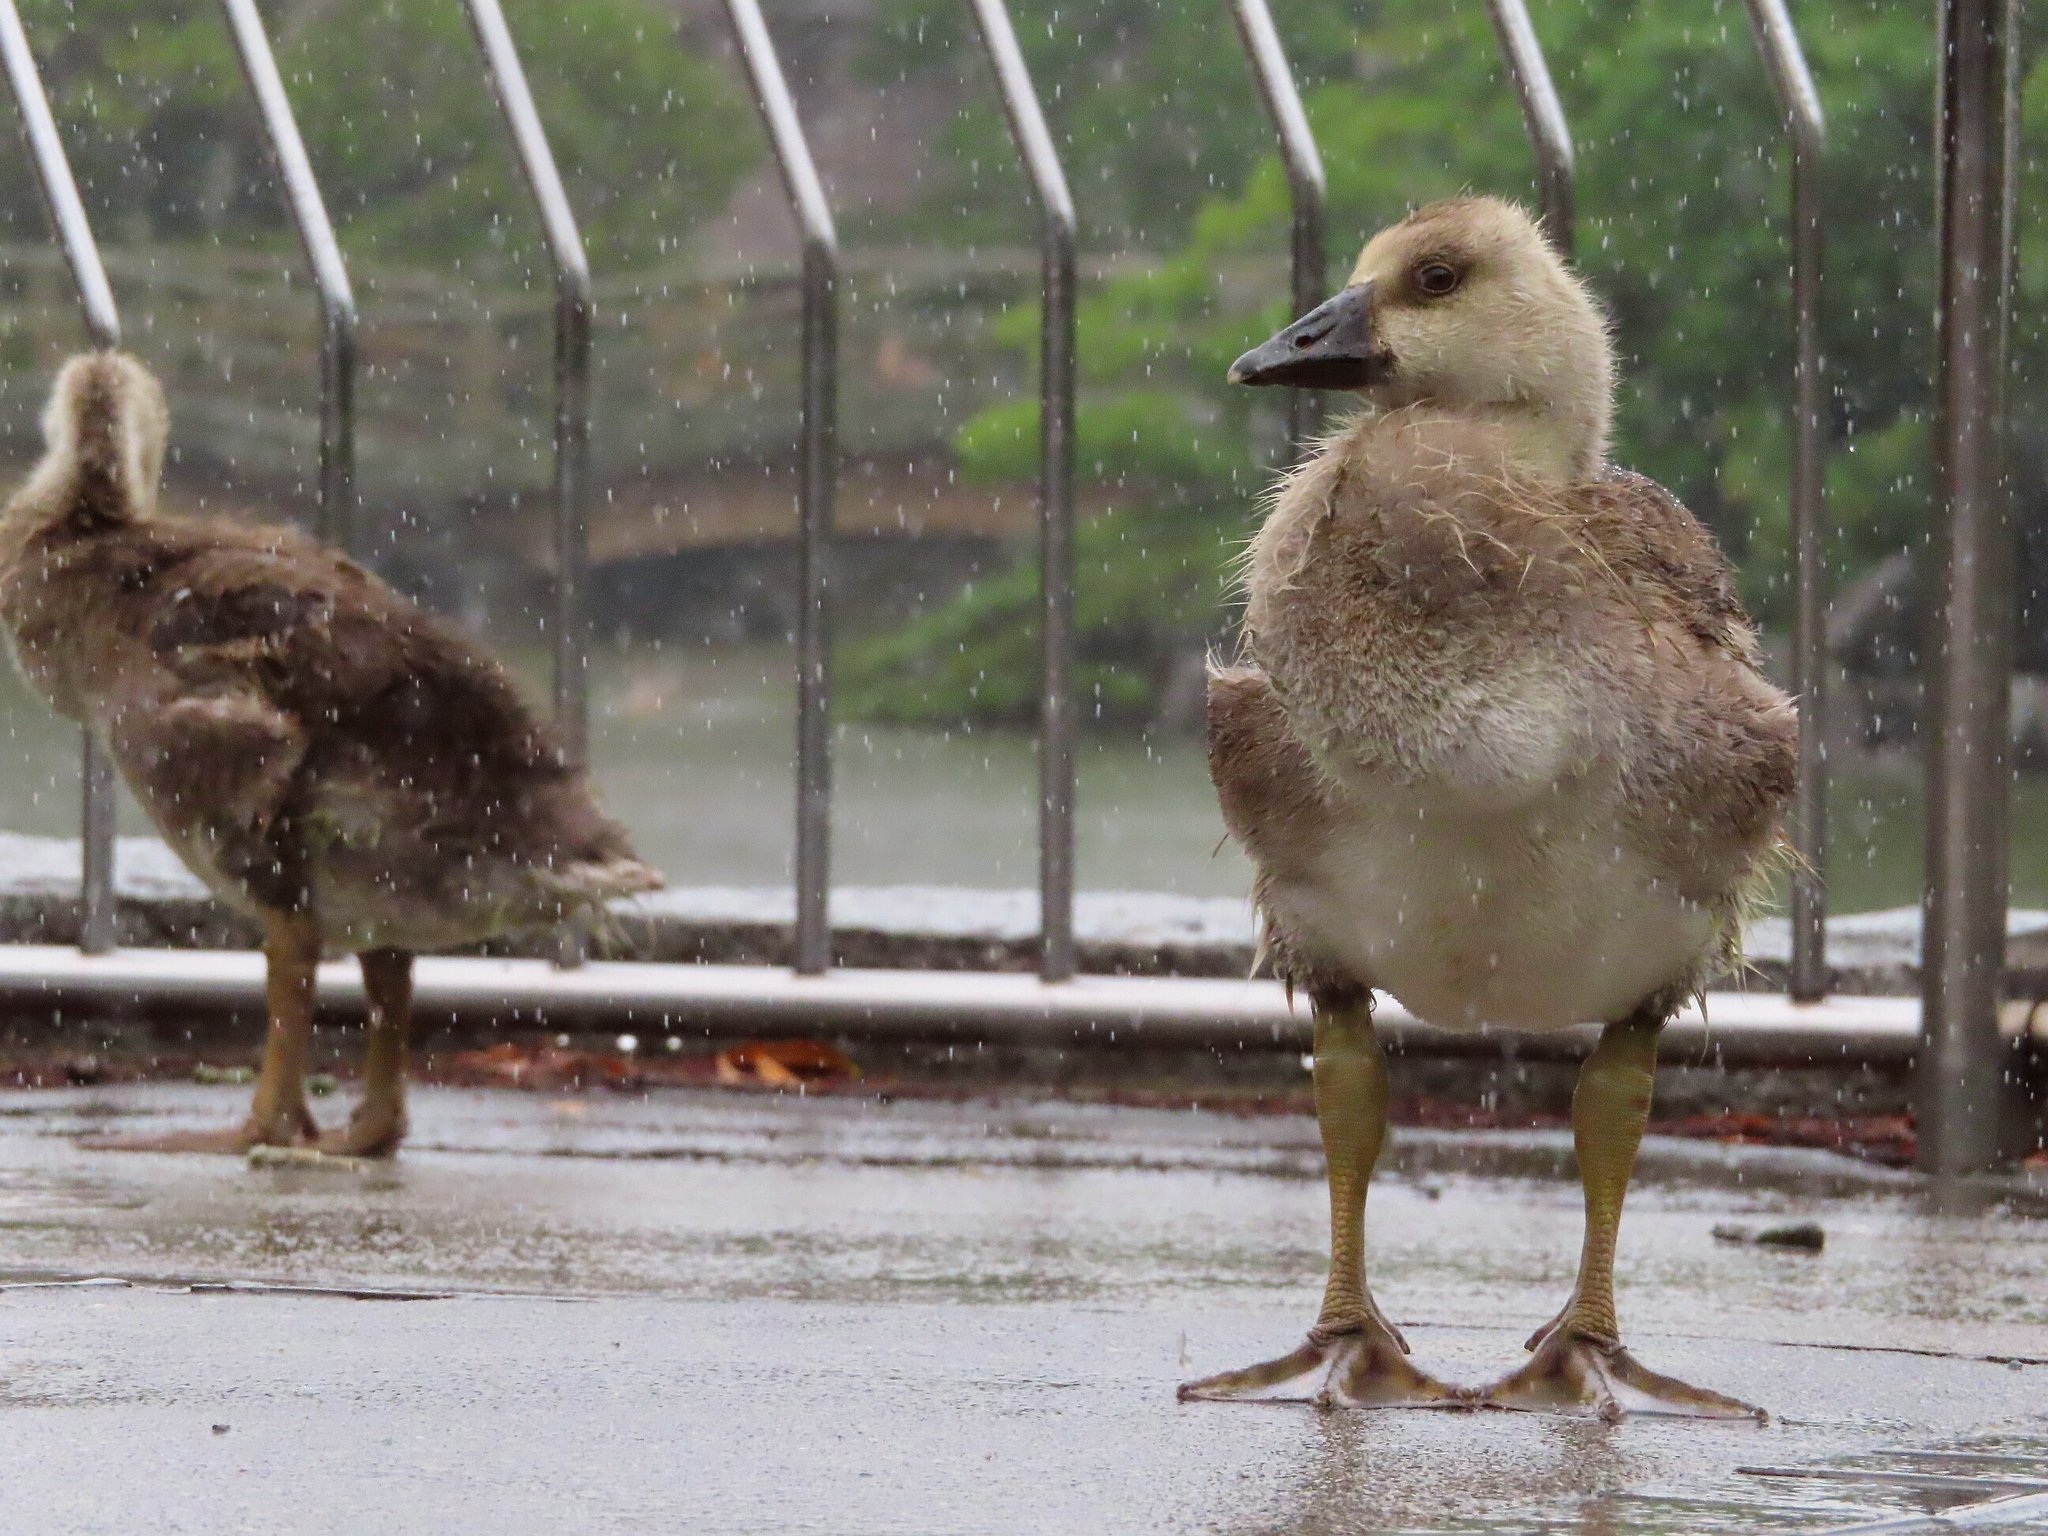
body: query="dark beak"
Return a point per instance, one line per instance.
(1330, 347)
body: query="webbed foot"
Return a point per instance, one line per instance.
(287, 1128)
(1571, 1374)
(1363, 1367)
(372, 1131)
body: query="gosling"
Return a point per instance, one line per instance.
(1500, 746)
(332, 761)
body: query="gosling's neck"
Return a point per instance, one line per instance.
(56, 500)
(1540, 441)
(1556, 430)
(1524, 444)
(83, 487)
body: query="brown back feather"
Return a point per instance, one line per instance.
(378, 685)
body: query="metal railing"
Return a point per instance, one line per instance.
(1307, 265)
(1542, 115)
(103, 326)
(1057, 235)
(1806, 128)
(991, 1008)
(1967, 1087)
(818, 469)
(337, 516)
(564, 243)
(1963, 1058)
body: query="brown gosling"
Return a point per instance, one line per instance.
(329, 759)
(1500, 747)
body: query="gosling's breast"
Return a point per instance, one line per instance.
(1534, 916)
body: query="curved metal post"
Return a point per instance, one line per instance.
(1804, 125)
(818, 472)
(1056, 961)
(2009, 192)
(1542, 114)
(1305, 187)
(1966, 1092)
(572, 367)
(330, 275)
(103, 325)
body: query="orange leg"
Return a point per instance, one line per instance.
(1579, 1364)
(378, 1125)
(278, 1116)
(1353, 1358)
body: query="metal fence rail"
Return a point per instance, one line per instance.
(1967, 1089)
(1806, 128)
(1007, 1008)
(572, 367)
(818, 469)
(1542, 115)
(1305, 185)
(103, 326)
(1057, 233)
(337, 517)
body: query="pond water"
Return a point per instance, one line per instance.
(693, 748)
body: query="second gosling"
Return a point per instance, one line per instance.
(331, 760)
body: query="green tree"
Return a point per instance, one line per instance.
(398, 120)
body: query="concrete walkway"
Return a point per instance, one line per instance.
(736, 1313)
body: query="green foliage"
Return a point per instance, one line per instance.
(1151, 110)
(399, 123)
(1683, 207)
(1143, 584)
(1150, 427)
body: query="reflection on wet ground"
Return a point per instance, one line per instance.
(738, 1312)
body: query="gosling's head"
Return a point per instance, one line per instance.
(105, 427)
(1461, 305)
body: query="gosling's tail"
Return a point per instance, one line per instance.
(598, 881)
(104, 431)
(581, 893)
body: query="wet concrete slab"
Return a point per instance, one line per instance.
(727, 1312)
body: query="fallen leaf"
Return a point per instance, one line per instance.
(783, 1064)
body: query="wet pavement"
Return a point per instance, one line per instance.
(735, 1312)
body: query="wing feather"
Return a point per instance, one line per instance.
(1652, 542)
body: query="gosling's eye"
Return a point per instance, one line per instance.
(1435, 278)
